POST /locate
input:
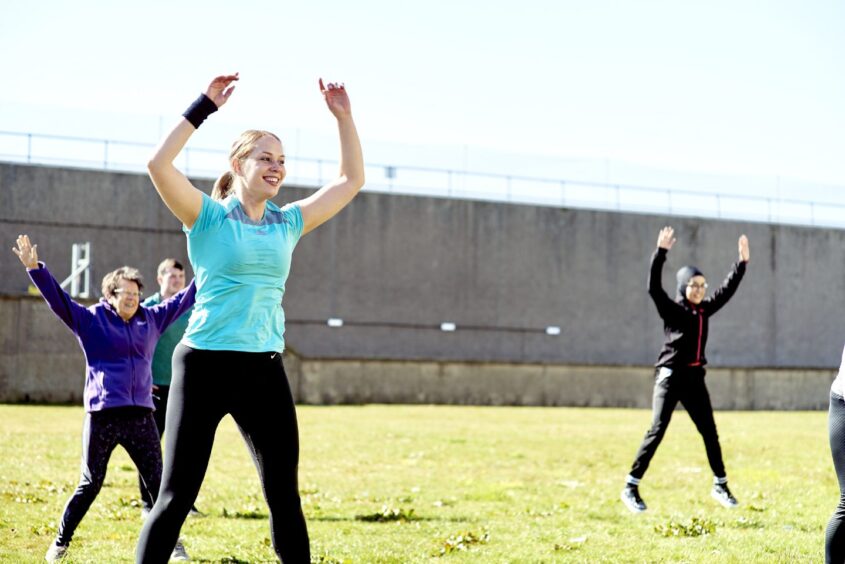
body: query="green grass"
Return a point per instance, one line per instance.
(460, 484)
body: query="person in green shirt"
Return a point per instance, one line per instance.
(171, 279)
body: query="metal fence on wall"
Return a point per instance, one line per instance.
(127, 156)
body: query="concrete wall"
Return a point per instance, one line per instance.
(390, 259)
(346, 381)
(120, 214)
(395, 267)
(40, 361)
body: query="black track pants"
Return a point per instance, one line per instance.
(687, 387)
(254, 390)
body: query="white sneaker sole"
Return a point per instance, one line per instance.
(723, 502)
(632, 508)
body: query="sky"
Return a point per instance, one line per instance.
(635, 91)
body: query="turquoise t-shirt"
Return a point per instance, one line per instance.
(240, 268)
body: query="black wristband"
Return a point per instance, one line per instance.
(199, 110)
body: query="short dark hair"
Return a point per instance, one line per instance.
(169, 263)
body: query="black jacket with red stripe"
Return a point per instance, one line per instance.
(685, 324)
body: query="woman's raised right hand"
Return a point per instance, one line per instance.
(26, 251)
(666, 238)
(221, 88)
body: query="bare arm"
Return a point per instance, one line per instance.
(323, 204)
(180, 196)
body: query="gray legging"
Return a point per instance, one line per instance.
(132, 428)
(254, 389)
(834, 542)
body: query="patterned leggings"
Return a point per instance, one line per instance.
(132, 428)
(160, 403)
(834, 545)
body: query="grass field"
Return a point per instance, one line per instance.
(461, 484)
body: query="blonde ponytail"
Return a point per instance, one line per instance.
(223, 186)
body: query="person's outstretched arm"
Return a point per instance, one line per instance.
(183, 199)
(665, 305)
(323, 204)
(726, 291)
(72, 314)
(168, 311)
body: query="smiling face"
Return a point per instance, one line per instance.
(263, 170)
(696, 289)
(125, 298)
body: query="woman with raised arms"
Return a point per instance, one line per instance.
(230, 360)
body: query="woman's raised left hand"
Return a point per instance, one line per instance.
(221, 88)
(336, 98)
(744, 253)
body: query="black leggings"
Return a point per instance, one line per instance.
(131, 428)
(254, 390)
(685, 385)
(834, 542)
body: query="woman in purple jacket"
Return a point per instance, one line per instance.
(118, 337)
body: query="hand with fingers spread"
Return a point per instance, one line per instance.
(221, 88)
(744, 253)
(666, 238)
(336, 98)
(26, 251)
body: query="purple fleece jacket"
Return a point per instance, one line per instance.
(118, 354)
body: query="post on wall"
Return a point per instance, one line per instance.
(80, 268)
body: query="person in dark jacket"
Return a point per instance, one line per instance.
(679, 371)
(118, 337)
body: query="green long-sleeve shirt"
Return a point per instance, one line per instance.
(162, 369)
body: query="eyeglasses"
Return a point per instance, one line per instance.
(120, 291)
(697, 286)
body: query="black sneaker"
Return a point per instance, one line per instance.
(632, 500)
(723, 495)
